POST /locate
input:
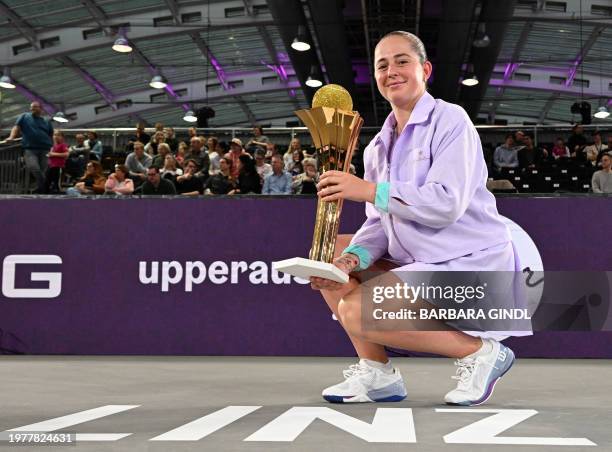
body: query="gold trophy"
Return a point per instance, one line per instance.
(334, 129)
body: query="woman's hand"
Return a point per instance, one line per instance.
(335, 185)
(347, 263)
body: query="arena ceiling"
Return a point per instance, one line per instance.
(235, 56)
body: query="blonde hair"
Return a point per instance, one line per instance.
(417, 45)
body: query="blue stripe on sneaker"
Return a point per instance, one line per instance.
(334, 398)
(395, 389)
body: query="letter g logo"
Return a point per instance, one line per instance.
(53, 278)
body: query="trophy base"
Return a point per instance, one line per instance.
(305, 268)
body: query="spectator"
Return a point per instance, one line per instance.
(259, 140)
(170, 170)
(181, 153)
(593, 151)
(306, 183)
(214, 154)
(94, 145)
(57, 160)
(602, 179)
(171, 139)
(220, 183)
(78, 157)
(157, 185)
(139, 136)
(234, 154)
(263, 169)
(279, 182)
(92, 182)
(519, 139)
(198, 155)
(191, 132)
(270, 151)
(118, 182)
(188, 184)
(530, 156)
(248, 178)
(137, 163)
(576, 143)
(159, 160)
(294, 145)
(506, 155)
(560, 150)
(296, 168)
(159, 127)
(151, 146)
(36, 133)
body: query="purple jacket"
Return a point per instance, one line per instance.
(432, 204)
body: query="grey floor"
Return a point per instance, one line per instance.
(571, 399)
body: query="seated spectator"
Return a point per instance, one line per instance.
(593, 151)
(306, 183)
(57, 160)
(171, 139)
(94, 145)
(270, 151)
(137, 163)
(530, 156)
(157, 185)
(576, 143)
(560, 150)
(163, 150)
(92, 182)
(181, 153)
(263, 168)
(170, 170)
(601, 182)
(296, 167)
(159, 127)
(151, 146)
(220, 183)
(214, 154)
(188, 184)
(139, 136)
(248, 178)
(118, 182)
(259, 140)
(234, 154)
(77, 158)
(197, 154)
(294, 145)
(519, 139)
(279, 182)
(506, 155)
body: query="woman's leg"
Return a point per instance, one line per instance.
(425, 336)
(364, 349)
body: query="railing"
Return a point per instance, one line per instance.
(13, 175)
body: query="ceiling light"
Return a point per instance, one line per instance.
(158, 82)
(313, 79)
(60, 117)
(470, 81)
(299, 43)
(122, 45)
(602, 113)
(190, 116)
(7, 82)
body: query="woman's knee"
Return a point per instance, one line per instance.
(350, 316)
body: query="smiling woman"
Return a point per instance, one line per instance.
(427, 209)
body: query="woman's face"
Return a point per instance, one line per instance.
(169, 161)
(90, 168)
(120, 174)
(296, 156)
(295, 144)
(399, 75)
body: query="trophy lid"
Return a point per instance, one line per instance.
(333, 96)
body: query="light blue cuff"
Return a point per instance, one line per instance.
(361, 253)
(381, 202)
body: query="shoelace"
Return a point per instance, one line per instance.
(465, 369)
(354, 370)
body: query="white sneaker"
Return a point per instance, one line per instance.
(477, 376)
(364, 383)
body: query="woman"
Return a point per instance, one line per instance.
(305, 183)
(248, 178)
(92, 182)
(560, 150)
(428, 209)
(296, 168)
(170, 171)
(294, 145)
(214, 153)
(151, 146)
(118, 183)
(181, 153)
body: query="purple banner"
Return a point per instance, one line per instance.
(194, 276)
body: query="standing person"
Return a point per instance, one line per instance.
(36, 133)
(428, 209)
(259, 140)
(57, 161)
(214, 154)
